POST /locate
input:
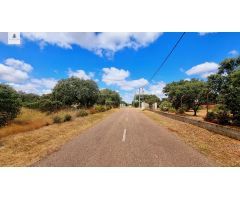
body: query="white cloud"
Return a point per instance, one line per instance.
(15, 71)
(18, 64)
(16, 74)
(157, 89)
(37, 86)
(114, 76)
(204, 69)
(100, 43)
(80, 74)
(233, 52)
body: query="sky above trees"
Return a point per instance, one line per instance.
(119, 61)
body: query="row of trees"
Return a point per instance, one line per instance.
(222, 88)
(68, 92)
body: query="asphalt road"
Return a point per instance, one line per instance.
(126, 138)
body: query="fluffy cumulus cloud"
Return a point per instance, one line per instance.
(115, 76)
(233, 52)
(203, 70)
(16, 73)
(13, 70)
(37, 86)
(157, 89)
(100, 43)
(80, 74)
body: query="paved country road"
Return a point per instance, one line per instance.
(126, 138)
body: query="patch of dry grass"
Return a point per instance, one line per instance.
(28, 119)
(29, 147)
(223, 150)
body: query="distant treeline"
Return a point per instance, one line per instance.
(70, 92)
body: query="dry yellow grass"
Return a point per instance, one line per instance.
(27, 148)
(27, 120)
(30, 119)
(223, 150)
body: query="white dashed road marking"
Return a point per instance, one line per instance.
(124, 135)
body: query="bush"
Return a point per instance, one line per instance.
(57, 120)
(108, 107)
(223, 117)
(100, 108)
(165, 106)
(9, 104)
(172, 110)
(210, 117)
(82, 113)
(180, 111)
(67, 118)
(47, 105)
(236, 120)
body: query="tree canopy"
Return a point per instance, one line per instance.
(9, 104)
(190, 93)
(147, 98)
(76, 91)
(109, 97)
(226, 84)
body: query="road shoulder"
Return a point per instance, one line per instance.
(223, 150)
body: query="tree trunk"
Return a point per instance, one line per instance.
(195, 113)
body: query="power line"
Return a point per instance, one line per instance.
(166, 58)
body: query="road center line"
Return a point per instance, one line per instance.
(124, 135)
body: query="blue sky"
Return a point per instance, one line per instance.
(119, 61)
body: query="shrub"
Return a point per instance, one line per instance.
(172, 110)
(57, 120)
(108, 107)
(223, 117)
(180, 111)
(47, 105)
(210, 117)
(82, 113)
(236, 120)
(165, 106)
(67, 118)
(100, 108)
(9, 104)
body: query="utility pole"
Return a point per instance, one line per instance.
(139, 98)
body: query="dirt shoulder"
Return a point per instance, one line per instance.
(223, 150)
(26, 148)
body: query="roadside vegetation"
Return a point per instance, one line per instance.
(219, 95)
(71, 98)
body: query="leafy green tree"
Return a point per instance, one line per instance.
(76, 91)
(190, 94)
(28, 98)
(226, 84)
(165, 105)
(9, 104)
(109, 97)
